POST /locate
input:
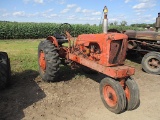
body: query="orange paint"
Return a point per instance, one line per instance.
(108, 57)
(54, 40)
(114, 72)
(110, 95)
(110, 46)
(127, 92)
(42, 61)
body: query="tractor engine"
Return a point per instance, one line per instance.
(91, 51)
(105, 49)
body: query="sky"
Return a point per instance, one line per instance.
(79, 11)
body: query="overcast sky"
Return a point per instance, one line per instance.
(79, 11)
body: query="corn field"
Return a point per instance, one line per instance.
(17, 30)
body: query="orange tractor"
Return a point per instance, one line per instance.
(104, 53)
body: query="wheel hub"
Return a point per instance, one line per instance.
(42, 61)
(154, 63)
(110, 96)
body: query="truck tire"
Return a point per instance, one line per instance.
(5, 70)
(132, 94)
(151, 63)
(112, 95)
(48, 61)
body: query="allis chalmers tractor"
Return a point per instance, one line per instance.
(104, 53)
(5, 70)
(147, 44)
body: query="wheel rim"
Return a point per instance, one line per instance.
(127, 92)
(154, 63)
(110, 95)
(42, 61)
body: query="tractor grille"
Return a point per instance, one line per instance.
(117, 52)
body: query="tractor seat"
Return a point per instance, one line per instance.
(61, 39)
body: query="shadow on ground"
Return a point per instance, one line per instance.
(66, 74)
(22, 92)
(134, 57)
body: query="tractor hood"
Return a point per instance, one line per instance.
(143, 35)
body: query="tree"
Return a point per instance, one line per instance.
(115, 23)
(123, 23)
(111, 23)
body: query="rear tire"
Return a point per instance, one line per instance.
(48, 61)
(5, 70)
(112, 95)
(132, 94)
(151, 63)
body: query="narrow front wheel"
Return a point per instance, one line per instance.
(132, 94)
(112, 95)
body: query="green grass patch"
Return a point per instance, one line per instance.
(22, 53)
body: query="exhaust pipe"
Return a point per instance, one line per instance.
(105, 20)
(157, 22)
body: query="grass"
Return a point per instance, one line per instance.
(22, 54)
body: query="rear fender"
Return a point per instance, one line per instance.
(53, 40)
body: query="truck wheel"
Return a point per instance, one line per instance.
(151, 63)
(112, 95)
(132, 94)
(48, 61)
(5, 70)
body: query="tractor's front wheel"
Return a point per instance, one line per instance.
(132, 94)
(48, 61)
(112, 95)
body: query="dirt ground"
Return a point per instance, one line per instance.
(75, 97)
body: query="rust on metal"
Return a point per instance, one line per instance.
(62, 51)
(154, 63)
(122, 82)
(117, 52)
(105, 46)
(110, 95)
(114, 72)
(54, 40)
(157, 25)
(143, 35)
(132, 44)
(127, 92)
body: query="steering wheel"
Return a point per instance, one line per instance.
(63, 31)
(65, 27)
